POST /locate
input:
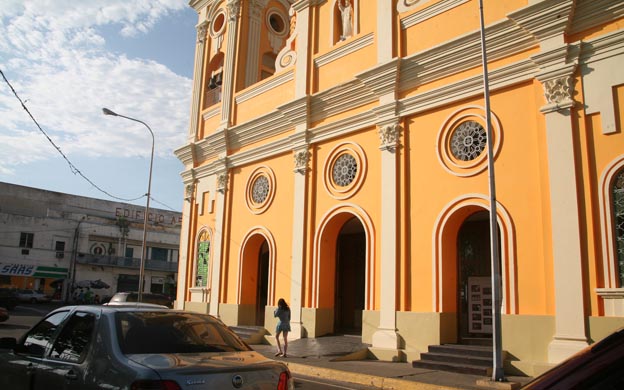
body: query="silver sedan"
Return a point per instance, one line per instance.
(134, 347)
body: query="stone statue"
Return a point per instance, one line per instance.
(346, 12)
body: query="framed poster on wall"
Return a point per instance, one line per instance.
(479, 304)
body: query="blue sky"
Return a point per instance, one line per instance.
(66, 60)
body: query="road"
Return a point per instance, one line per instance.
(24, 316)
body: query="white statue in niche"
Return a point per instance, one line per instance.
(346, 12)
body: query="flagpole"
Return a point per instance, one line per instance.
(498, 374)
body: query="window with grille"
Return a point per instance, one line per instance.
(26, 240)
(203, 261)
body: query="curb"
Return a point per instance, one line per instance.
(363, 379)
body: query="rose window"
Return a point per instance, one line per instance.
(260, 190)
(468, 141)
(345, 170)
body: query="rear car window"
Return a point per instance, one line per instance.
(72, 343)
(36, 341)
(174, 332)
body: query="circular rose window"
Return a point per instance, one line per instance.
(345, 169)
(462, 141)
(260, 190)
(468, 141)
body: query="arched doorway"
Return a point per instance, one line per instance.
(350, 281)
(474, 279)
(263, 283)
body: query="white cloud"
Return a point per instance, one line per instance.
(54, 57)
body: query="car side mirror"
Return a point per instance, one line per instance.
(8, 343)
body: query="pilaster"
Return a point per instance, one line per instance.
(215, 285)
(202, 28)
(233, 10)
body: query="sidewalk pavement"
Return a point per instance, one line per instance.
(343, 358)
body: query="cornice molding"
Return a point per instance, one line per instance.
(425, 13)
(185, 154)
(263, 87)
(608, 45)
(591, 13)
(338, 99)
(502, 39)
(545, 19)
(344, 50)
(382, 79)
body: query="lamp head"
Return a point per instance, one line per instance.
(106, 111)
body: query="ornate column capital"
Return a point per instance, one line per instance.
(222, 181)
(233, 9)
(389, 136)
(301, 160)
(189, 191)
(558, 93)
(202, 29)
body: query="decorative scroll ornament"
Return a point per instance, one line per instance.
(256, 7)
(389, 136)
(558, 90)
(233, 9)
(301, 160)
(288, 56)
(222, 180)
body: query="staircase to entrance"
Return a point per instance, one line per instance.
(460, 358)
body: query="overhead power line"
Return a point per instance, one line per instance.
(72, 167)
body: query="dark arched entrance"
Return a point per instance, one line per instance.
(263, 283)
(350, 278)
(474, 279)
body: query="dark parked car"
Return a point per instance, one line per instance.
(123, 297)
(8, 298)
(134, 347)
(598, 367)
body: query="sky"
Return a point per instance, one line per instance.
(66, 60)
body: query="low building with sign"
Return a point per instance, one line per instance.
(65, 244)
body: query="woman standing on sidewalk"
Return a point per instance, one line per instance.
(283, 326)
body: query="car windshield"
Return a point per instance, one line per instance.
(174, 332)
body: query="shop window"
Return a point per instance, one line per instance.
(618, 221)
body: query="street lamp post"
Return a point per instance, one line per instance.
(106, 111)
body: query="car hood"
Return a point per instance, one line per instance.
(205, 360)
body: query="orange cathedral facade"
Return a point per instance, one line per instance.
(337, 158)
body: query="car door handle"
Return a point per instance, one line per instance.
(71, 375)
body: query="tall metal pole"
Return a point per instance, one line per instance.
(497, 369)
(106, 111)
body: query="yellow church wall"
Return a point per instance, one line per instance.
(453, 23)
(367, 197)
(268, 101)
(519, 191)
(276, 221)
(343, 69)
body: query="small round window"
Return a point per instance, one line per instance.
(276, 22)
(468, 141)
(345, 170)
(260, 190)
(462, 141)
(217, 27)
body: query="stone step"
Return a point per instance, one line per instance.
(250, 334)
(457, 359)
(453, 367)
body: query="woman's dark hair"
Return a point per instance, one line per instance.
(282, 304)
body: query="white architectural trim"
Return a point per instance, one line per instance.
(369, 231)
(507, 252)
(345, 49)
(265, 86)
(258, 230)
(605, 201)
(425, 13)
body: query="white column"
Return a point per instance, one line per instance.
(570, 334)
(233, 8)
(253, 41)
(184, 249)
(197, 79)
(386, 336)
(298, 242)
(302, 46)
(215, 284)
(384, 31)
